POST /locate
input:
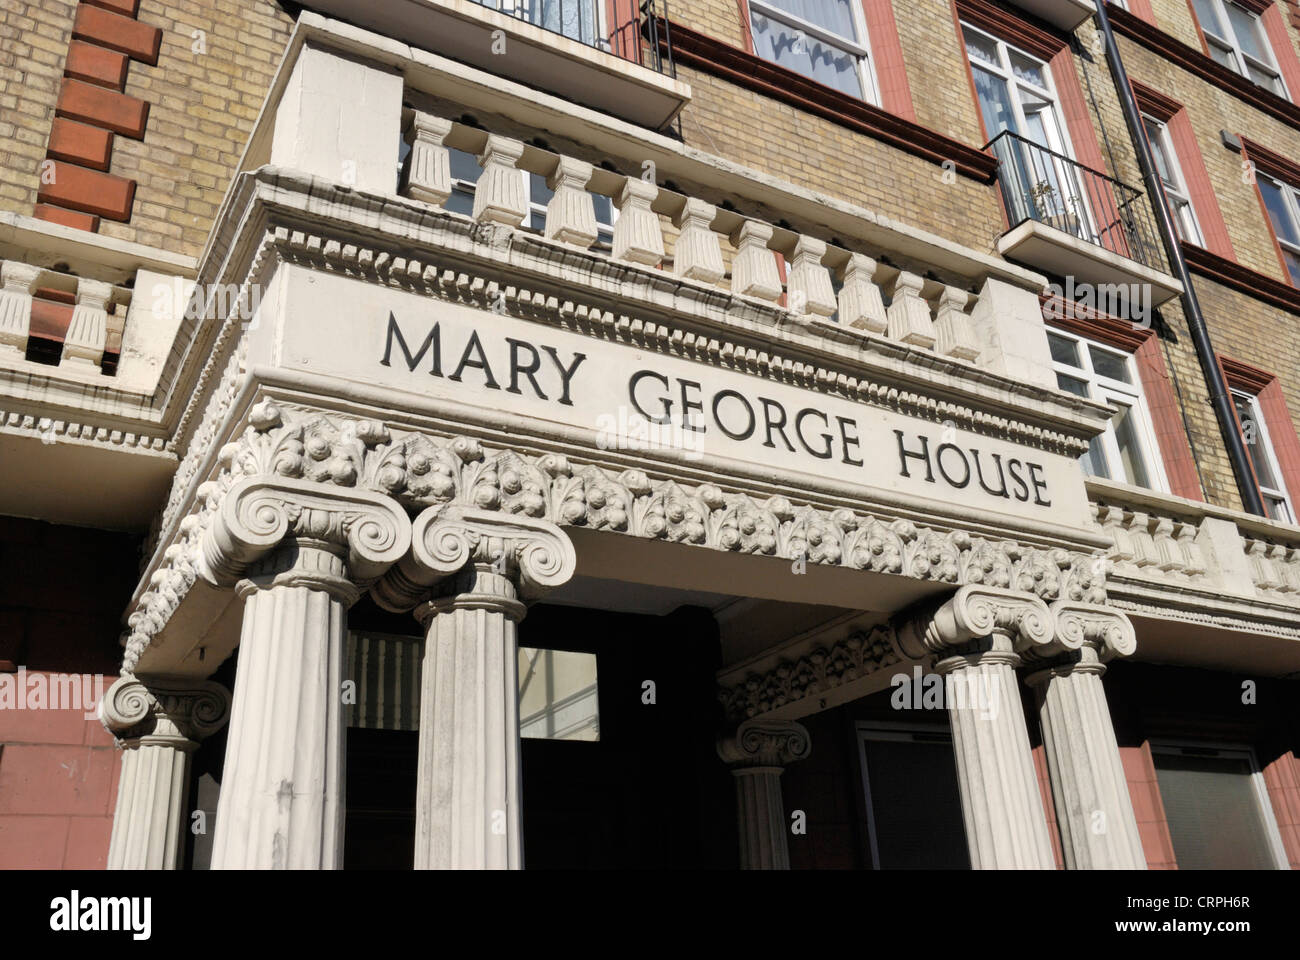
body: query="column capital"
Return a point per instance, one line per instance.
(179, 710)
(1084, 636)
(366, 531)
(534, 555)
(1014, 620)
(765, 744)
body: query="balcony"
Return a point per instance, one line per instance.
(1071, 221)
(1063, 14)
(604, 55)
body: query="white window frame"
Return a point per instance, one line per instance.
(1131, 395)
(1263, 447)
(859, 48)
(1231, 44)
(896, 732)
(1291, 203)
(1234, 751)
(1177, 191)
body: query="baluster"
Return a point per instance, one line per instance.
(861, 304)
(429, 177)
(17, 282)
(909, 314)
(638, 237)
(953, 334)
(697, 255)
(753, 269)
(571, 214)
(83, 345)
(499, 196)
(809, 287)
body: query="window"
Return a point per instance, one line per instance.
(1283, 206)
(914, 815)
(1171, 177)
(1127, 450)
(1253, 430)
(1236, 39)
(465, 172)
(558, 695)
(822, 39)
(1217, 808)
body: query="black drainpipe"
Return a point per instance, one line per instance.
(1220, 397)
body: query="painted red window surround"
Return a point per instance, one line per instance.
(1277, 417)
(1282, 779)
(1283, 50)
(1214, 232)
(886, 54)
(1157, 387)
(1142, 8)
(1148, 808)
(1049, 805)
(1275, 165)
(624, 29)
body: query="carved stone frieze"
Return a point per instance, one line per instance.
(289, 468)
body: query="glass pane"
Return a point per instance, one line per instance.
(834, 15)
(1277, 509)
(1026, 69)
(558, 695)
(980, 47)
(807, 55)
(1265, 78)
(538, 191)
(1209, 18)
(460, 201)
(604, 208)
(1065, 350)
(1283, 225)
(1213, 813)
(464, 166)
(1111, 365)
(1184, 220)
(915, 805)
(1292, 266)
(995, 102)
(1155, 136)
(1094, 461)
(1252, 433)
(1246, 27)
(1130, 451)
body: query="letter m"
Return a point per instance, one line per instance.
(432, 344)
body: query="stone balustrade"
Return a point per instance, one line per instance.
(693, 239)
(95, 325)
(1171, 542)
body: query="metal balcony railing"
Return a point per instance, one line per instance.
(615, 26)
(1046, 186)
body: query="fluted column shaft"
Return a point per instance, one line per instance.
(158, 725)
(281, 803)
(1093, 807)
(758, 754)
(1006, 826)
(469, 812)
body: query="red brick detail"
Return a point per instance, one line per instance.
(126, 8)
(1282, 778)
(96, 65)
(1049, 805)
(104, 108)
(1162, 404)
(89, 191)
(50, 320)
(67, 218)
(1148, 809)
(891, 73)
(79, 143)
(139, 41)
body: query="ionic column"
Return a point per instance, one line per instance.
(158, 723)
(758, 754)
(1093, 807)
(300, 553)
(481, 564)
(977, 637)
